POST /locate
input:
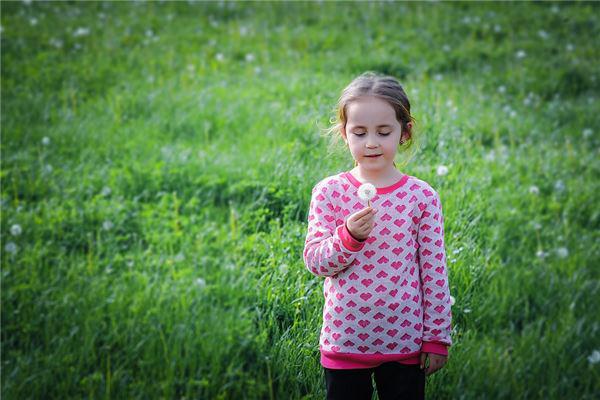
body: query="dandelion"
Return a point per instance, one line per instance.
(106, 191)
(569, 47)
(200, 282)
(594, 358)
(249, 57)
(497, 28)
(438, 77)
(452, 300)
(191, 68)
(446, 48)
(48, 168)
(81, 32)
(243, 31)
(149, 33)
(491, 156)
(587, 132)
(512, 114)
(130, 263)
(537, 226)
(501, 89)
(520, 54)
(283, 269)
(45, 140)
(27, 2)
(220, 57)
(108, 269)
(442, 170)
(107, 225)
(555, 9)
(367, 191)
(534, 190)
(562, 252)
(467, 310)
(543, 34)
(257, 70)
(56, 43)
(16, 230)
(541, 254)
(179, 257)
(11, 248)
(33, 21)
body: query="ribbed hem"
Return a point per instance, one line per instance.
(333, 360)
(348, 240)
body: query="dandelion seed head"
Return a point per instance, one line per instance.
(200, 282)
(11, 248)
(534, 190)
(16, 230)
(442, 170)
(520, 54)
(107, 225)
(562, 252)
(594, 358)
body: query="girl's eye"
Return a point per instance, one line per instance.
(384, 133)
(359, 134)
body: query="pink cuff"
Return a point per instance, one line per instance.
(348, 240)
(436, 348)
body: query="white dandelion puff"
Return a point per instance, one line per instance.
(501, 89)
(56, 43)
(562, 252)
(16, 230)
(27, 2)
(594, 358)
(559, 186)
(570, 47)
(200, 282)
(257, 70)
(249, 57)
(446, 48)
(11, 248)
(81, 31)
(243, 31)
(543, 34)
(220, 57)
(452, 300)
(33, 21)
(366, 192)
(442, 170)
(587, 132)
(541, 254)
(106, 191)
(45, 140)
(48, 168)
(107, 225)
(534, 190)
(497, 28)
(438, 77)
(537, 226)
(520, 54)
(467, 310)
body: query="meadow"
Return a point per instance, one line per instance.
(157, 160)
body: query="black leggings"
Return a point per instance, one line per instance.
(394, 381)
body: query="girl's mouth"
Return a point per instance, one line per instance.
(374, 156)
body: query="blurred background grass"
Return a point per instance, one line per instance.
(157, 162)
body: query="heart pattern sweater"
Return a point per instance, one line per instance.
(387, 298)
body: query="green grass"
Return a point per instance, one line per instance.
(163, 223)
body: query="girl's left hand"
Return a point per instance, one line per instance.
(436, 362)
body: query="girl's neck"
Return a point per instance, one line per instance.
(376, 177)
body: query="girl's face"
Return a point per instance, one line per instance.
(372, 132)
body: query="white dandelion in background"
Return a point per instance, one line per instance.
(106, 191)
(57, 43)
(48, 168)
(446, 48)
(562, 252)
(438, 77)
(107, 225)
(16, 230)
(200, 282)
(220, 57)
(541, 254)
(520, 54)
(452, 300)
(491, 155)
(534, 190)
(130, 263)
(366, 192)
(442, 170)
(501, 89)
(587, 132)
(283, 269)
(537, 226)
(249, 57)
(179, 257)
(11, 248)
(467, 310)
(81, 31)
(27, 2)
(243, 31)
(45, 140)
(594, 358)
(543, 34)
(33, 21)
(257, 70)
(570, 47)
(497, 28)
(559, 186)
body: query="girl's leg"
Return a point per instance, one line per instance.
(348, 384)
(400, 381)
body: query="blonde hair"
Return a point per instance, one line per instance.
(386, 88)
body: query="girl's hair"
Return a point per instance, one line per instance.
(384, 87)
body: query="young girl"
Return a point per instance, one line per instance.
(387, 299)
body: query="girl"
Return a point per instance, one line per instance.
(387, 299)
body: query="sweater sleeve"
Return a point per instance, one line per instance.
(437, 318)
(329, 247)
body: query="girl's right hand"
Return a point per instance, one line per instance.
(361, 223)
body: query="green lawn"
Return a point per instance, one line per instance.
(157, 166)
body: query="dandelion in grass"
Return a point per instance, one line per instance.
(81, 31)
(45, 140)
(201, 283)
(27, 2)
(501, 89)
(534, 190)
(366, 192)
(179, 257)
(57, 43)
(520, 54)
(541, 254)
(587, 132)
(249, 57)
(543, 34)
(562, 252)
(452, 300)
(559, 186)
(283, 269)
(220, 57)
(442, 170)
(106, 191)
(11, 248)
(446, 48)
(48, 168)
(107, 225)
(537, 226)
(243, 31)
(594, 358)
(16, 230)
(570, 47)
(257, 70)
(438, 77)
(497, 28)
(467, 310)
(33, 21)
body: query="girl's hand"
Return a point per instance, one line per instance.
(436, 362)
(361, 223)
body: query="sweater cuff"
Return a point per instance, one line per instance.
(436, 348)
(348, 240)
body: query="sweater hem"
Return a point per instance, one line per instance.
(336, 360)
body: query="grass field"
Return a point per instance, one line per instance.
(157, 166)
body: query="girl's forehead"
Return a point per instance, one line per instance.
(369, 110)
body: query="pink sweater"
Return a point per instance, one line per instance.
(386, 298)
